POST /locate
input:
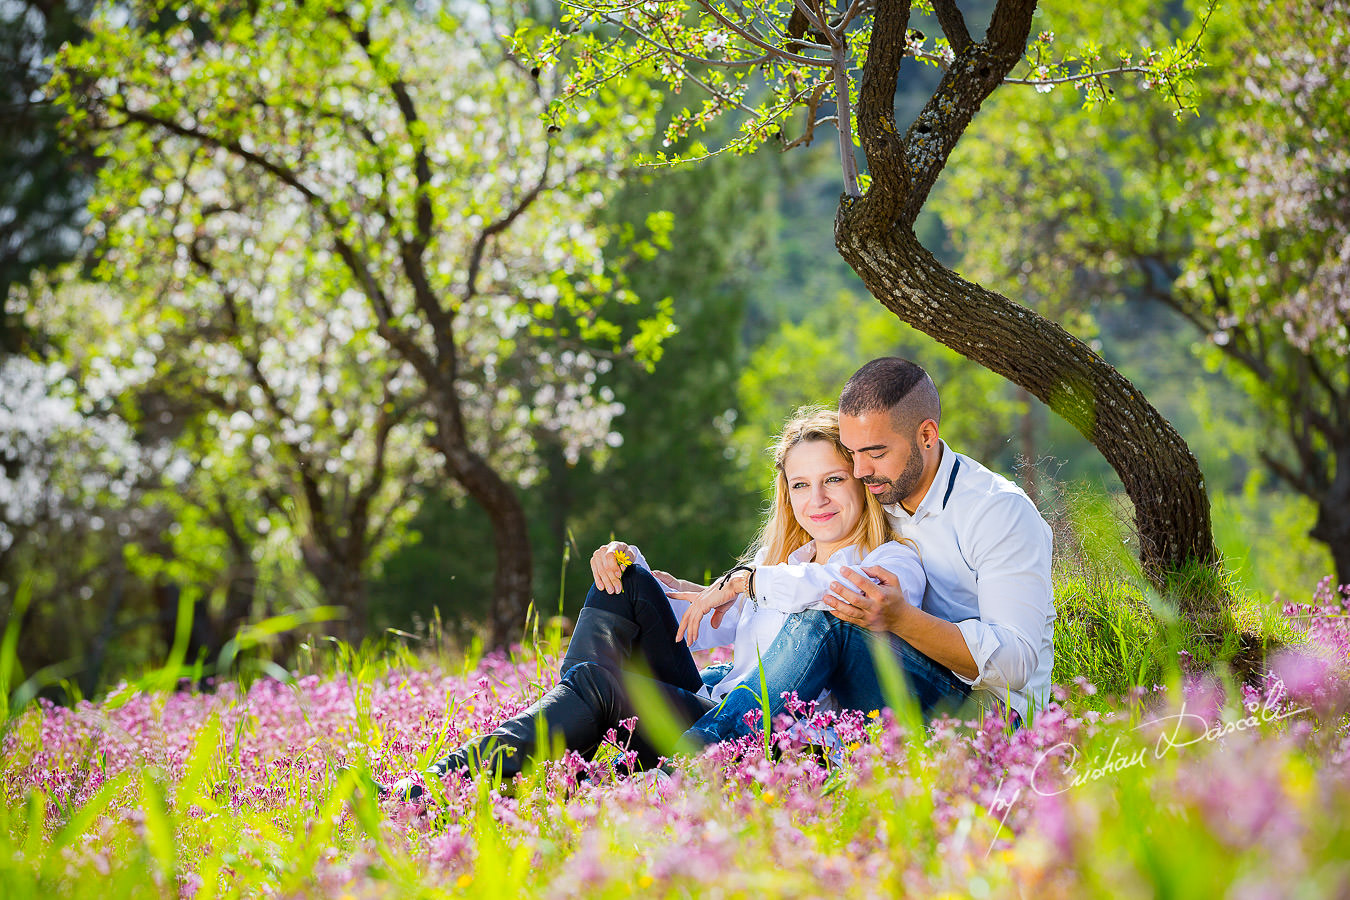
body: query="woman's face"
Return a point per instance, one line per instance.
(826, 499)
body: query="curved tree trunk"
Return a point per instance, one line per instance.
(875, 235)
(1160, 474)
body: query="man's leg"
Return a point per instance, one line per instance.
(802, 658)
(816, 651)
(856, 683)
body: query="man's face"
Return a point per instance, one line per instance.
(888, 464)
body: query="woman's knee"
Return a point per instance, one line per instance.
(639, 585)
(639, 581)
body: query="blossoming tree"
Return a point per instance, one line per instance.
(784, 68)
(348, 199)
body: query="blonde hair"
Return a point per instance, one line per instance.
(781, 533)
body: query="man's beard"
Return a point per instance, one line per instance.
(907, 483)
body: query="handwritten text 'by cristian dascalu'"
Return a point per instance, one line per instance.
(1179, 730)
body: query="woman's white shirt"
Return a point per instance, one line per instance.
(750, 626)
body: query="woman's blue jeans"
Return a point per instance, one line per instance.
(816, 651)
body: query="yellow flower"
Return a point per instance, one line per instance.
(874, 713)
(464, 880)
(623, 559)
(645, 881)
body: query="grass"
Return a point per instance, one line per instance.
(1145, 779)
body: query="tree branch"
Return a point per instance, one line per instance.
(408, 111)
(974, 74)
(319, 523)
(497, 227)
(876, 105)
(754, 38)
(953, 24)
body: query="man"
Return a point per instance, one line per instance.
(985, 628)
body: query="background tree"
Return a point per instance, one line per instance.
(850, 57)
(287, 419)
(392, 135)
(42, 180)
(1239, 221)
(670, 485)
(70, 487)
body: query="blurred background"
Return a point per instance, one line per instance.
(275, 351)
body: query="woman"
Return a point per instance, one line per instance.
(637, 625)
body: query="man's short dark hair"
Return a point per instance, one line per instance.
(896, 386)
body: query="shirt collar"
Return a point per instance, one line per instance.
(936, 499)
(805, 553)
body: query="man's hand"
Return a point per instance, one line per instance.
(607, 565)
(710, 599)
(876, 605)
(676, 584)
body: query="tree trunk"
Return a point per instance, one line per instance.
(875, 235)
(1333, 521)
(92, 676)
(347, 588)
(510, 533)
(1160, 474)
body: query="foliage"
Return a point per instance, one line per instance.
(1235, 218)
(42, 180)
(1196, 789)
(669, 485)
(781, 69)
(354, 240)
(71, 480)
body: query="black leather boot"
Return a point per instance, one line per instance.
(579, 710)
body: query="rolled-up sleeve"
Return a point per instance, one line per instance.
(793, 587)
(1014, 592)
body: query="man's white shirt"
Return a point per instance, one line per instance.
(986, 551)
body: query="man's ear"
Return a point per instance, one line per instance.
(928, 434)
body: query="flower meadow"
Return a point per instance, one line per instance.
(1204, 786)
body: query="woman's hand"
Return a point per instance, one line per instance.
(607, 565)
(714, 599)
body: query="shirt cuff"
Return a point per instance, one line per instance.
(982, 643)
